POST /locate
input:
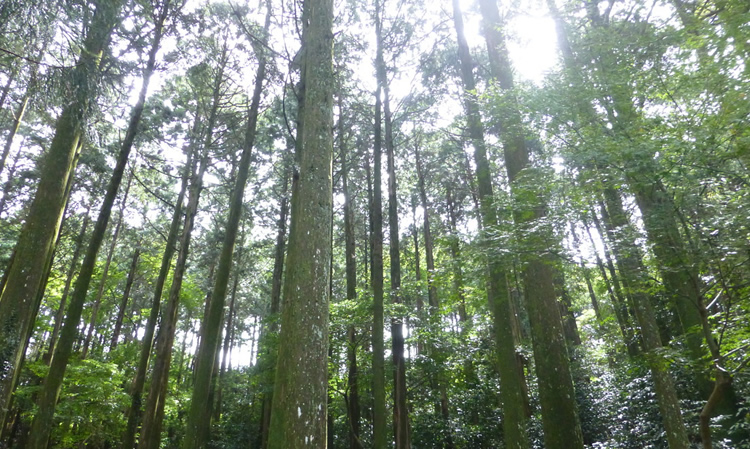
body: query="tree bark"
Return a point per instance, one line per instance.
(379, 432)
(124, 300)
(513, 388)
(135, 410)
(199, 419)
(299, 410)
(105, 271)
(18, 308)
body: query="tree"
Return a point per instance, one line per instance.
(511, 372)
(298, 414)
(42, 425)
(562, 428)
(18, 306)
(200, 416)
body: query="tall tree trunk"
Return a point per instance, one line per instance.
(124, 300)
(153, 413)
(299, 410)
(267, 354)
(21, 109)
(628, 254)
(586, 274)
(562, 428)
(7, 186)
(400, 409)
(199, 419)
(379, 432)
(18, 307)
(17, 119)
(456, 261)
(136, 393)
(228, 336)
(434, 301)
(621, 300)
(60, 314)
(417, 273)
(42, 424)
(105, 270)
(513, 387)
(352, 403)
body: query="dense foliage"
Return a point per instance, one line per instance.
(609, 214)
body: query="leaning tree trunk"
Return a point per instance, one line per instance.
(18, 306)
(199, 417)
(60, 314)
(124, 300)
(513, 387)
(42, 424)
(136, 392)
(298, 415)
(154, 410)
(105, 271)
(628, 254)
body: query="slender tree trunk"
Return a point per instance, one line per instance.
(512, 392)
(560, 421)
(628, 254)
(400, 409)
(18, 307)
(4, 201)
(299, 410)
(352, 404)
(434, 301)
(42, 424)
(456, 262)
(68, 282)
(621, 300)
(105, 270)
(267, 358)
(228, 336)
(17, 119)
(21, 109)
(586, 274)
(154, 410)
(135, 410)
(124, 300)
(153, 413)
(418, 275)
(379, 432)
(8, 84)
(199, 419)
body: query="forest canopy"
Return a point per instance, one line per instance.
(374, 224)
